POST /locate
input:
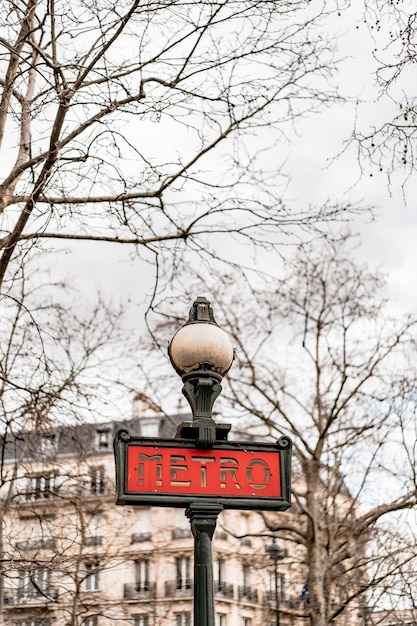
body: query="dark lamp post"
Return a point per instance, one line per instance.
(200, 469)
(276, 553)
(201, 353)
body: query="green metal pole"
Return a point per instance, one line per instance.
(277, 607)
(203, 517)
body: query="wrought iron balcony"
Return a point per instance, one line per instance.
(178, 588)
(288, 603)
(223, 589)
(139, 591)
(181, 533)
(29, 497)
(139, 537)
(37, 497)
(36, 544)
(16, 597)
(92, 540)
(249, 594)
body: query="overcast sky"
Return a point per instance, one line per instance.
(387, 243)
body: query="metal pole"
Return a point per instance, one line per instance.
(203, 517)
(276, 592)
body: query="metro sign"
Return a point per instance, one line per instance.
(174, 472)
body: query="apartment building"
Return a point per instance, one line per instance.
(71, 557)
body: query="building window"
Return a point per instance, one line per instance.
(220, 585)
(42, 579)
(141, 620)
(90, 621)
(150, 426)
(91, 578)
(182, 619)
(220, 619)
(246, 576)
(102, 439)
(183, 572)
(247, 621)
(281, 587)
(42, 487)
(34, 582)
(97, 481)
(36, 543)
(141, 528)
(244, 524)
(92, 535)
(219, 570)
(181, 533)
(142, 575)
(246, 592)
(49, 445)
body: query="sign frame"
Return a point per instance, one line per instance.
(123, 440)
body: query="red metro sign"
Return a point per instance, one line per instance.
(203, 472)
(173, 472)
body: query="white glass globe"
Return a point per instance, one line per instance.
(198, 343)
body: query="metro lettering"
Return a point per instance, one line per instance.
(203, 467)
(182, 470)
(266, 474)
(178, 468)
(228, 467)
(150, 459)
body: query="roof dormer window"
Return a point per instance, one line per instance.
(103, 439)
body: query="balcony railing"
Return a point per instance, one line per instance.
(223, 589)
(36, 544)
(37, 497)
(178, 588)
(181, 533)
(29, 497)
(139, 537)
(16, 597)
(91, 540)
(269, 596)
(139, 591)
(249, 594)
(288, 603)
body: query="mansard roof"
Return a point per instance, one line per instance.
(83, 439)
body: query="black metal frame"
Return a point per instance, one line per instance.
(123, 439)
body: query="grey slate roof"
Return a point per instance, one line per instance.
(79, 439)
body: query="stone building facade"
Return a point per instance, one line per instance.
(73, 558)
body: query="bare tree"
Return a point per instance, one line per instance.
(54, 366)
(155, 124)
(388, 144)
(319, 359)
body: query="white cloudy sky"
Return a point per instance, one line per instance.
(387, 243)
